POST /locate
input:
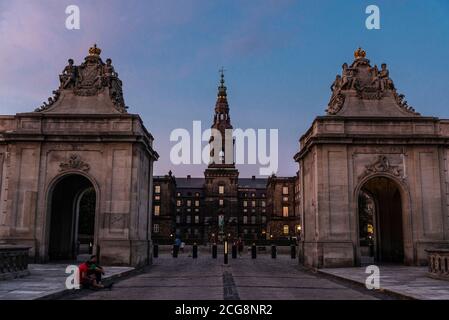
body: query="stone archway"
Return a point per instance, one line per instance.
(72, 207)
(381, 221)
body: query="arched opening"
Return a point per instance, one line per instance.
(72, 205)
(380, 221)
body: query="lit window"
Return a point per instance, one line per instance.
(157, 210)
(285, 199)
(245, 219)
(221, 189)
(253, 203)
(156, 228)
(157, 197)
(221, 202)
(178, 194)
(189, 203)
(197, 210)
(197, 219)
(284, 190)
(197, 203)
(197, 194)
(253, 195)
(286, 230)
(178, 203)
(245, 203)
(189, 210)
(285, 211)
(157, 189)
(263, 203)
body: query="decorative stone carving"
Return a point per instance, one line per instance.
(89, 79)
(365, 82)
(381, 165)
(75, 163)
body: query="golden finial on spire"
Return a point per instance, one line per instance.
(94, 51)
(359, 53)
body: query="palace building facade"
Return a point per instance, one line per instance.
(222, 204)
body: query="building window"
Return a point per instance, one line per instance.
(189, 203)
(253, 203)
(195, 232)
(285, 229)
(285, 211)
(263, 195)
(189, 210)
(245, 210)
(157, 210)
(263, 203)
(197, 203)
(221, 202)
(253, 195)
(245, 203)
(157, 189)
(157, 197)
(285, 190)
(245, 219)
(178, 194)
(263, 210)
(197, 210)
(178, 210)
(178, 203)
(264, 219)
(178, 219)
(245, 231)
(197, 194)
(156, 228)
(188, 219)
(253, 219)
(221, 189)
(197, 219)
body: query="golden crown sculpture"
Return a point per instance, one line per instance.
(359, 53)
(94, 51)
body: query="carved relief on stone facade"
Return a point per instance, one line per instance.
(74, 163)
(381, 165)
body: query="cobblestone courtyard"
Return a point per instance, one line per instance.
(244, 278)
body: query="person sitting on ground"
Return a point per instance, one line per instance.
(95, 271)
(87, 279)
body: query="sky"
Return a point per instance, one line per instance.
(280, 59)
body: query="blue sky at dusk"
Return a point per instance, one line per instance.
(281, 58)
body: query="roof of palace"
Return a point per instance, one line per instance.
(93, 87)
(366, 90)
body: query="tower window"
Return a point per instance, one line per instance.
(221, 189)
(285, 211)
(157, 189)
(157, 210)
(156, 228)
(285, 190)
(286, 229)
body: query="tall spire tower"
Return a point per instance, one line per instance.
(221, 141)
(221, 176)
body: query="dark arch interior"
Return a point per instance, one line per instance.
(380, 221)
(72, 223)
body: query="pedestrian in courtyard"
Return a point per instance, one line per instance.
(240, 246)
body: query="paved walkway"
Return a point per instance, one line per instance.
(185, 278)
(45, 281)
(410, 282)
